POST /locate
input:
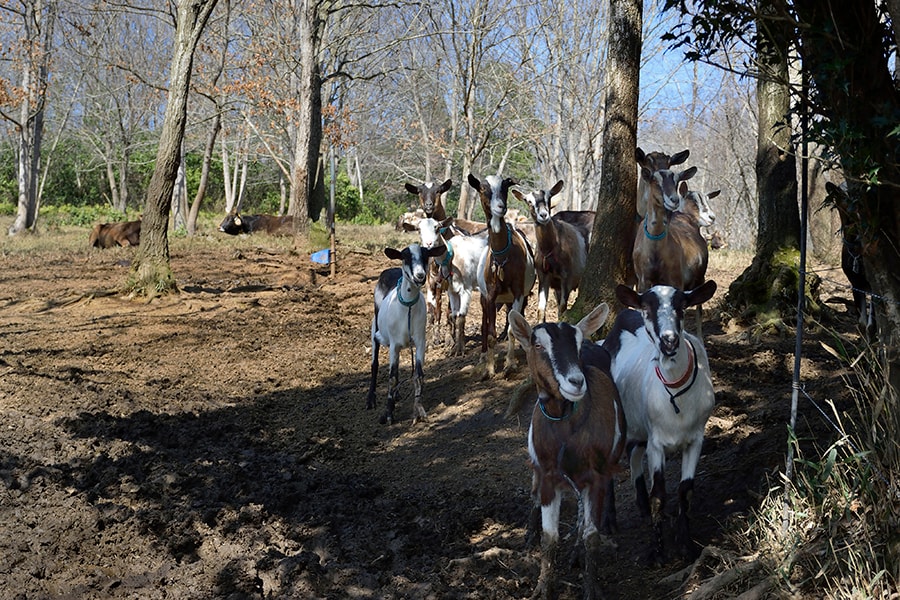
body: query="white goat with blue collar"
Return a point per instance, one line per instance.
(662, 374)
(399, 322)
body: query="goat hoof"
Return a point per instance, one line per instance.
(386, 419)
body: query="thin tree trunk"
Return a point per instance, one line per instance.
(151, 272)
(204, 173)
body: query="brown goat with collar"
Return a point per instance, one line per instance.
(577, 434)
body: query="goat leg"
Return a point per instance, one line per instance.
(459, 335)
(593, 544)
(388, 416)
(608, 523)
(547, 580)
(683, 540)
(418, 410)
(657, 514)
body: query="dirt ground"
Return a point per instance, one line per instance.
(214, 444)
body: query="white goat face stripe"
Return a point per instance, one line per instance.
(662, 319)
(563, 358)
(498, 202)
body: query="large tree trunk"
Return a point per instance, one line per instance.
(851, 73)
(151, 272)
(771, 281)
(609, 260)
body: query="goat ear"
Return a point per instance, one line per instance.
(713, 194)
(445, 186)
(679, 158)
(435, 251)
(474, 182)
(520, 328)
(409, 227)
(701, 294)
(639, 155)
(628, 296)
(592, 322)
(687, 174)
(520, 196)
(647, 174)
(446, 222)
(393, 254)
(412, 189)
(557, 188)
(683, 189)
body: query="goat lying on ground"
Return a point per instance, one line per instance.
(235, 223)
(399, 322)
(123, 233)
(663, 377)
(458, 266)
(561, 254)
(654, 161)
(505, 270)
(576, 436)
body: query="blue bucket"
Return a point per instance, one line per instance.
(323, 257)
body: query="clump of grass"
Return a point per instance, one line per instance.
(834, 532)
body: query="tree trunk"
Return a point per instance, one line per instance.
(771, 282)
(151, 273)
(39, 18)
(204, 173)
(851, 71)
(609, 260)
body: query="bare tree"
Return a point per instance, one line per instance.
(36, 20)
(151, 272)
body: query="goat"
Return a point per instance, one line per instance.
(668, 247)
(430, 198)
(654, 161)
(399, 322)
(577, 433)
(852, 254)
(506, 268)
(583, 220)
(458, 266)
(663, 377)
(122, 233)
(561, 254)
(696, 205)
(235, 224)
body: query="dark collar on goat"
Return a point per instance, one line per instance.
(497, 253)
(565, 415)
(406, 303)
(689, 373)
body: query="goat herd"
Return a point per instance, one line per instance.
(645, 388)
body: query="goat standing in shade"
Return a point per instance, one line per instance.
(458, 266)
(663, 377)
(577, 433)
(506, 269)
(654, 161)
(668, 246)
(399, 322)
(561, 254)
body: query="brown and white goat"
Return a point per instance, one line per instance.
(122, 233)
(430, 197)
(577, 434)
(506, 269)
(654, 161)
(561, 253)
(662, 374)
(668, 246)
(457, 266)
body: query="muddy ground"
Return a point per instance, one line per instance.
(214, 444)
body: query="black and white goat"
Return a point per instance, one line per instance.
(577, 433)
(662, 373)
(457, 265)
(399, 322)
(561, 254)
